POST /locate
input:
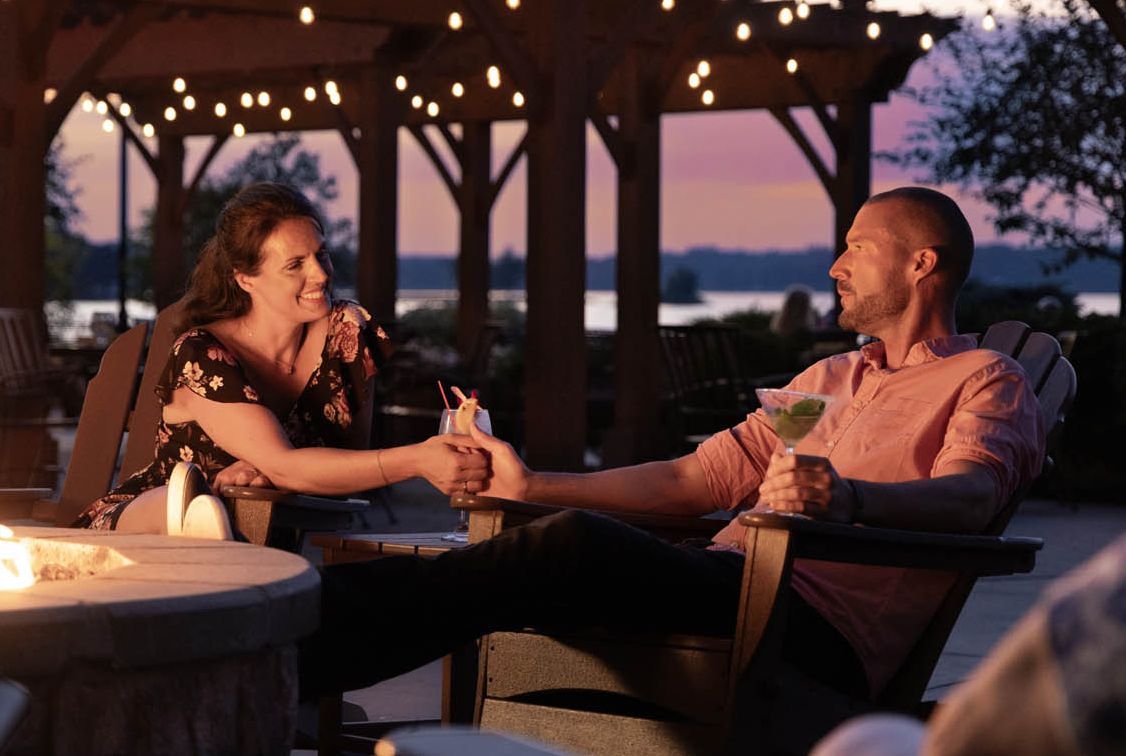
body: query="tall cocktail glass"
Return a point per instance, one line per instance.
(448, 424)
(793, 414)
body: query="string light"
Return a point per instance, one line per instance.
(416, 102)
(170, 113)
(189, 102)
(49, 95)
(988, 22)
(307, 16)
(334, 97)
(518, 99)
(148, 130)
(285, 114)
(792, 65)
(107, 125)
(785, 16)
(512, 4)
(457, 90)
(87, 104)
(492, 76)
(221, 109)
(239, 130)
(455, 21)
(401, 83)
(743, 31)
(707, 97)
(668, 5)
(873, 30)
(803, 10)
(432, 109)
(101, 107)
(310, 94)
(264, 99)
(179, 85)
(926, 41)
(330, 87)
(125, 109)
(246, 100)
(694, 80)
(703, 68)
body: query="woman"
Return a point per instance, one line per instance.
(269, 382)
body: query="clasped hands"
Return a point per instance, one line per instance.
(808, 485)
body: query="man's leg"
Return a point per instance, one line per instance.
(384, 617)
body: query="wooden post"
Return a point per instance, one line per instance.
(473, 256)
(169, 273)
(378, 164)
(635, 435)
(854, 164)
(555, 344)
(25, 35)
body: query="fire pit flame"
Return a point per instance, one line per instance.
(15, 562)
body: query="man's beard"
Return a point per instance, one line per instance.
(874, 309)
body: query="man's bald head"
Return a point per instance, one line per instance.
(926, 218)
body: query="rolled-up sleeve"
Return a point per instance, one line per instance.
(996, 424)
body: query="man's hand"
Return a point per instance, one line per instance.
(807, 485)
(509, 479)
(241, 473)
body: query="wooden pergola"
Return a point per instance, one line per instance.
(620, 64)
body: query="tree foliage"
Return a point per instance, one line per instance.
(64, 247)
(1032, 119)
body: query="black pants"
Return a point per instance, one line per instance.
(573, 569)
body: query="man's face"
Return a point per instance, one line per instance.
(871, 272)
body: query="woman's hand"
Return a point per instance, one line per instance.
(453, 463)
(807, 485)
(510, 475)
(241, 473)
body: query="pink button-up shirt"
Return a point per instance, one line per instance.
(948, 402)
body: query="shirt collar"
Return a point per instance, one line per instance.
(923, 351)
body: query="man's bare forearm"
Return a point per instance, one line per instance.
(674, 487)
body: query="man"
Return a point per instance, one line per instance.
(925, 432)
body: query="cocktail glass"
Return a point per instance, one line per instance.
(448, 424)
(792, 413)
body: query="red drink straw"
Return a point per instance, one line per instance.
(442, 391)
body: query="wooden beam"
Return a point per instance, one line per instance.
(516, 62)
(435, 160)
(131, 135)
(473, 250)
(498, 183)
(451, 141)
(607, 132)
(217, 143)
(168, 223)
(828, 180)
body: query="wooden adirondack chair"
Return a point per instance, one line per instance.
(120, 399)
(693, 694)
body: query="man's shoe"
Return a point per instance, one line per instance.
(184, 484)
(206, 517)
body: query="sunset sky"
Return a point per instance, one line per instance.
(733, 180)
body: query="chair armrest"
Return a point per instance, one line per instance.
(888, 547)
(510, 512)
(18, 503)
(291, 499)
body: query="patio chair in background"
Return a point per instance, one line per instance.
(601, 692)
(14, 702)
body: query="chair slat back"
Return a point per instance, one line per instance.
(1005, 337)
(105, 412)
(141, 444)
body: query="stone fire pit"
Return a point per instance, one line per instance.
(150, 644)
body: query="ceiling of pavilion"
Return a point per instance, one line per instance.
(226, 48)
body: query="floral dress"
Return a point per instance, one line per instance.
(321, 415)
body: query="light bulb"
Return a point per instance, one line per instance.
(457, 90)
(239, 130)
(416, 102)
(220, 109)
(189, 102)
(785, 16)
(307, 16)
(694, 80)
(49, 95)
(170, 113)
(703, 68)
(988, 22)
(518, 99)
(87, 104)
(873, 30)
(310, 94)
(803, 11)
(179, 85)
(101, 107)
(401, 82)
(148, 130)
(926, 41)
(246, 100)
(107, 125)
(792, 65)
(125, 109)
(707, 97)
(743, 32)
(334, 97)
(512, 4)
(330, 87)
(492, 75)
(285, 114)
(264, 99)
(432, 109)
(668, 4)
(455, 21)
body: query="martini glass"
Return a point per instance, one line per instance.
(448, 424)
(792, 413)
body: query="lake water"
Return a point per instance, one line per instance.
(74, 324)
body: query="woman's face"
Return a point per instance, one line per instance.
(294, 279)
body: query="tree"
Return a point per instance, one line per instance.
(1031, 120)
(282, 160)
(64, 246)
